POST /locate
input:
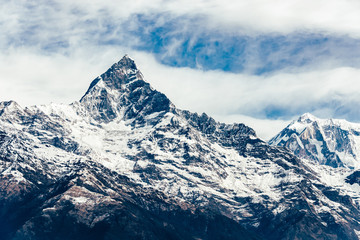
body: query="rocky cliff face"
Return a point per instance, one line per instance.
(125, 163)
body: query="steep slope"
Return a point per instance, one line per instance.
(331, 142)
(125, 163)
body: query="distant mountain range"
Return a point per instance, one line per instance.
(125, 163)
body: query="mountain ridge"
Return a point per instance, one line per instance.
(125, 162)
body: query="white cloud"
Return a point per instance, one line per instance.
(255, 15)
(30, 74)
(222, 93)
(31, 78)
(63, 26)
(247, 15)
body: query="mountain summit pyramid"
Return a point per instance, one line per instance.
(122, 92)
(125, 163)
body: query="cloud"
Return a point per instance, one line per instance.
(31, 78)
(329, 93)
(247, 16)
(265, 60)
(204, 34)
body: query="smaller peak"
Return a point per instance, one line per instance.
(307, 117)
(10, 103)
(9, 107)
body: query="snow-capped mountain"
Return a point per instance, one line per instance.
(125, 163)
(331, 142)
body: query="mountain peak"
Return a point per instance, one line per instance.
(5, 104)
(330, 142)
(9, 106)
(307, 117)
(126, 62)
(120, 73)
(122, 92)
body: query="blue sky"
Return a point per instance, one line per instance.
(260, 62)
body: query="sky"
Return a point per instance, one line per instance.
(260, 62)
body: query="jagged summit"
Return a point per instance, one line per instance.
(307, 117)
(126, 61)
(7, 104)
(332, 142)
(10, 108)
(122, 92)
(118, 74)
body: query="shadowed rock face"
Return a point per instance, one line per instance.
(125, 163)
(353, 178)
(49, 215)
